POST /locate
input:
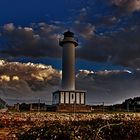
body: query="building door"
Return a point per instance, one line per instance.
(72, 98)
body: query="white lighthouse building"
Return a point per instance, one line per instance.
(67, 96)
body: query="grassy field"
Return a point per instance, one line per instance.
(62, 126)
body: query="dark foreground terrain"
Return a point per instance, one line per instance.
(55, 126)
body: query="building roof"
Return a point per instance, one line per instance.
(68, 34)
(62, 90)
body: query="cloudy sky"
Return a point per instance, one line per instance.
(108, 32)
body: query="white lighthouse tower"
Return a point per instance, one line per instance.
(68, 60)
(67, 97)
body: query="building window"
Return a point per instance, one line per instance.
(72, 97)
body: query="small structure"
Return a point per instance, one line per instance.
(68, 99)
(38, 107)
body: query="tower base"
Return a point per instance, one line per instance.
(70, 101)
(71, 108)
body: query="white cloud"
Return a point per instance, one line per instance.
(28, 29)
(9, 27)
(4, 78)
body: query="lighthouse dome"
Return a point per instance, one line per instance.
(68, 34)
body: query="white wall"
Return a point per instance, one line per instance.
(62, 97)
(77, 98)
(82, 98)
(67, 97)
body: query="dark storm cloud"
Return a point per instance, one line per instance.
(38, 41)
(108, 36)
(119, 48)
(127, 5)
(104, 36)
(85, 30)
(108, 21)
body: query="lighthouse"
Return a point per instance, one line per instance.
(67, 96)
(69, 43)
